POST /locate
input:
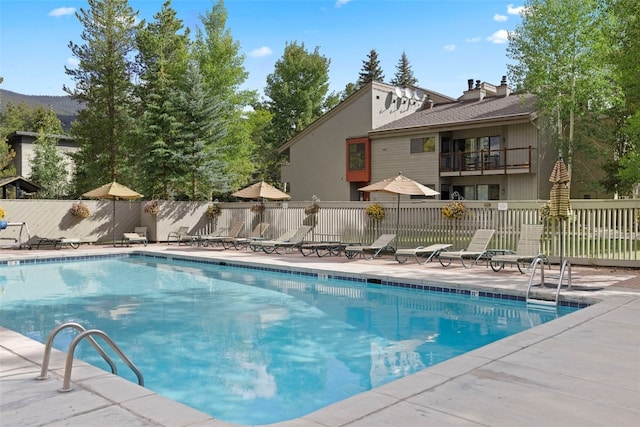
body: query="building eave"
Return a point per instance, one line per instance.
(450, 126)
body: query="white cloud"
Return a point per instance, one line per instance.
(260, 52)
(73, 62)
(62, 11)
(473, 39)
(340, 3)
(449, 47)
(499, 37)
(515, 10)
(500, 18)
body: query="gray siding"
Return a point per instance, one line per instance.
(318, 161)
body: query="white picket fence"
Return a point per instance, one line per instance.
(600, 232)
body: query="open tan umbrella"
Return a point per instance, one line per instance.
(559, 203)
(261, 190)
(400, 185)
(113, 191)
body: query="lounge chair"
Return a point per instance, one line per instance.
(59, 242)
(382, 243)
(243, 242)
(181, 235)
(138, 236)
(233, 232)
(323, 248)
(422, 254)
(476, 250)
(287, 246)
(129, 238)
(257, 245)
(527, 250)
(215, 233)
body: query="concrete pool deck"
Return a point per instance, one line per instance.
(581, 369)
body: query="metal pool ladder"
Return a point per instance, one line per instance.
(565, 273)
(88, 334)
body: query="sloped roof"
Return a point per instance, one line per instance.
(491, 109)
(23, 183)
(363, 91)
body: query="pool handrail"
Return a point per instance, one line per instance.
(66, 385)
(47, 349)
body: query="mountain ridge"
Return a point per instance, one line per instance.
(65, 108)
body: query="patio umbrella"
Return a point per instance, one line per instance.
(559, 204)
(399, 185)
(113, 191)
(261, 190)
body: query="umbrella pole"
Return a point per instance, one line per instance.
(561, 241)
(398, 222)
(113, 224)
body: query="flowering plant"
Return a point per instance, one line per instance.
(2, 213)
(257, 208)
(214, 211)
(544, 211)
(375, 211)
(454, 210)
(80, 210)
(151, 207)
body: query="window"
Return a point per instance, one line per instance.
(488, 192)
(423, 145)
(356, 157)
(358, 160)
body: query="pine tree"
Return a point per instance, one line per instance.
(163, 56)
(221, 65)
(371, 70)
(49, 168)
(404, 76)
(103, 85)
(202, 132)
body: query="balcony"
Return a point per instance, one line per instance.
(486, 162)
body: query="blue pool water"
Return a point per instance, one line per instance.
(251, 346)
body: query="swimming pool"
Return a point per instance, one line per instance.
(253, 346)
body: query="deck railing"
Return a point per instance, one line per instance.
(503, 161)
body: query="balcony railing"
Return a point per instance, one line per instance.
(496, 162)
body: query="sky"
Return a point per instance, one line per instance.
(446, 42)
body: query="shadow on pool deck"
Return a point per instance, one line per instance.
(580, 369)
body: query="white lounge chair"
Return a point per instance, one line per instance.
(527, 250)
(422, 254)
(59, 242)
(476, 250)
(382, 243)
(129, 238)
